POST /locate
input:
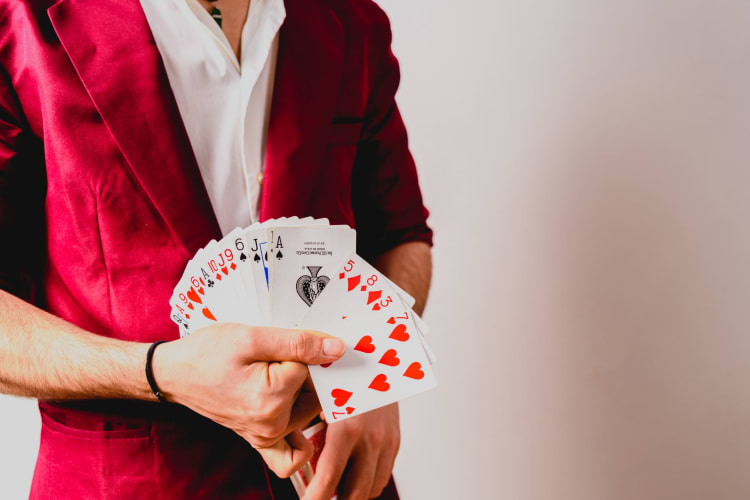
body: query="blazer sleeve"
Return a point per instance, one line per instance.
(386, 198)
(21, 199)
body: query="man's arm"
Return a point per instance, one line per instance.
(244, 378)
(43, 356)
(409, 265)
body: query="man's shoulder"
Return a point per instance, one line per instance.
(360, 13)
(362, 20)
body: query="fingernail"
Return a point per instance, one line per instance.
(333, 347)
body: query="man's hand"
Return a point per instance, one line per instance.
(358, 456)
(251, 380)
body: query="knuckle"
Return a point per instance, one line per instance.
(252, 439)
(267, 414)
(300, 345)
(249, 338)
(267, 428)
(275, 428)
(285, 470)
(294, 346)
(250, 409)
(377, 435)
(358, 494)
(346, 434)
(271, 428)
(396, 444)
(353, 429)
(260, 441)
(376, 491)
(269, 410)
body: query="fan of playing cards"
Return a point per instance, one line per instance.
(304, 273)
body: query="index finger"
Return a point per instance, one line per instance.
(288, 455)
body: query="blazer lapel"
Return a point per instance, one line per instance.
(112, 50)
(306, 86)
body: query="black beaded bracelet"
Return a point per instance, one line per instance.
(150, 373)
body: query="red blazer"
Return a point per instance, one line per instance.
(102, 204)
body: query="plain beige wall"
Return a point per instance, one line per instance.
(587, 164)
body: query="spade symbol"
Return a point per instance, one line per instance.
(243, 257)
(256, 258)
(266, 255)
(279, 256)
(310, 286)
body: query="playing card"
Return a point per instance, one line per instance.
(245, 283)
(190, 296)
(301, 260)
(209, 286)
(316, 434)
(236, 285)
(303, 272)
(407, 299)
(384, 361)
(255, 236)
(218, 269)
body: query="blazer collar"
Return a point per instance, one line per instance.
(114, 54)
(113, 51)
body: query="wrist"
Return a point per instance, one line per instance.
(163, 365)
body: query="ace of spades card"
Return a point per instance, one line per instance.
(300, 261)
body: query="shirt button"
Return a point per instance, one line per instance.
(259, 178)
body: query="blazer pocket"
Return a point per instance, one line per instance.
(77, 425)
(345, 132)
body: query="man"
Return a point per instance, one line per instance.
(131, 134)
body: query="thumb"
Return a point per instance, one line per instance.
(304, 346)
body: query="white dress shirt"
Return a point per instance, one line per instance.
(224, 103)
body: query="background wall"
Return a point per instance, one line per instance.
(587, 167)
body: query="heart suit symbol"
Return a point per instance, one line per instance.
(380, 383)
(194, 296)
(390, 358)
(414, 371)
(365, 345)
(340, 396)
(207, 313)
(399, 333)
